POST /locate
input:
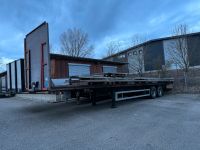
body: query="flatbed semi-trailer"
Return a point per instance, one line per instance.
(116, 88)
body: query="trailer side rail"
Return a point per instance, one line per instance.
(119, 96)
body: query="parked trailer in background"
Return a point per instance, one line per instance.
(20, 76)
(15, 76)
(3, 83)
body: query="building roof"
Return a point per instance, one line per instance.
(60, 56)
(150, 41)
(15, 60)
(3, 73)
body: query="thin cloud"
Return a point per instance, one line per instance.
(102, 20)
(159, 19)
(4, 61)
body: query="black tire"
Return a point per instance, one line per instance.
(153, 92)
(160, 91)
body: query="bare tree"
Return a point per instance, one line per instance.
(53, 49)
(1, 64)
(178, 50)
(74, 42)
(136, 61)
(138, 39)
(113, 47)
(136, 57)
(162, 70)
(167, 66)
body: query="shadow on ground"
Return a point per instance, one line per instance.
(60, 110)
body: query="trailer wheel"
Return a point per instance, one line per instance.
(153, 92)
(160, 91)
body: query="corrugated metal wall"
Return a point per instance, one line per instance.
(20, 75)
(153, 56)
(8, 77)
(193, 43)
(3, 83)
(15, 76)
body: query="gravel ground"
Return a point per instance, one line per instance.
(170, 122)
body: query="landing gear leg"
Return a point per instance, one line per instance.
(78, 98)
(93, 98)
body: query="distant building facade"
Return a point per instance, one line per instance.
(153, 55)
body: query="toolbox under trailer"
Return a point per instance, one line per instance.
(115, 88)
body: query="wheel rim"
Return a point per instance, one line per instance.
(153, 92)
(160, 92)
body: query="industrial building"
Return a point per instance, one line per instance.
(15, 76)
(63, 66)
(155, 53)
(43, 68)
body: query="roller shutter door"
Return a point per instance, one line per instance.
(79, 69)
(109, 69)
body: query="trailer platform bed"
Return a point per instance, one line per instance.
(109, 82)
(117, 88)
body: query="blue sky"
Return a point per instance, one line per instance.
(103, 20)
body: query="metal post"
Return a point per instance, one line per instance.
(42, 66)
(93, 98)
(78, 98)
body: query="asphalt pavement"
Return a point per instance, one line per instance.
(169, 122)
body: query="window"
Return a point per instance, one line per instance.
(135, 53)
(121, 56)
(129, 54)
(140, 51)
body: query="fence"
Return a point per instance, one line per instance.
(193, 79)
